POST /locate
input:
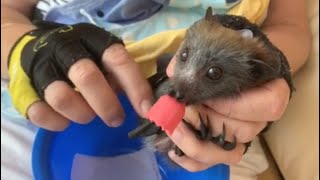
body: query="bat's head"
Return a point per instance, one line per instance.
(215, 61)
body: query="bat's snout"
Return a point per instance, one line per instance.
(179, 95)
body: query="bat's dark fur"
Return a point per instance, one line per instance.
(216, 60)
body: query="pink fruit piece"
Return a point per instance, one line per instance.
(166, 113)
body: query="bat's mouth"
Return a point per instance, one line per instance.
(180, 97)
(184, 100)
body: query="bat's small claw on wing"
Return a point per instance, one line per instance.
(146, 129)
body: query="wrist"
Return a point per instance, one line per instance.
(11, 34)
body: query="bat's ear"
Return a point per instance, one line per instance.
(209, 14)
(262, 71)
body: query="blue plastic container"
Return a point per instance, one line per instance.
(54, 152)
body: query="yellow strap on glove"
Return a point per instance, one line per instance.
(21, 91)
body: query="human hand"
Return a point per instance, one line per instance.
(86, 57)
(244, 118)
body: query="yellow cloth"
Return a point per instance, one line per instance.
(254, 10)
(145, 52)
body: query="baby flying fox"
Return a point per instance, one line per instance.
(221, 56)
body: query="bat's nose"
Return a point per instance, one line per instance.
(177, 94)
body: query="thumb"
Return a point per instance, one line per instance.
(170, 68)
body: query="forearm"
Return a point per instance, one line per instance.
(288, 29)
(14, 23)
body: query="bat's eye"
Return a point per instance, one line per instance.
(184, 54)
(214, 73)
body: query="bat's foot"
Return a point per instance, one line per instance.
(205, 134)
(201, 134)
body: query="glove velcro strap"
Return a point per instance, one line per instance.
(20, 88)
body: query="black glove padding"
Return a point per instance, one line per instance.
(56, 47)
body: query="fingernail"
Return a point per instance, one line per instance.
(116, 121)
(172, 154)
(145, 106)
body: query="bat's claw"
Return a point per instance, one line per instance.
(204, 131)
(230, 145)
(204, 128)
(178, 151)
(220, 140)
(247, 145)
(145, 129)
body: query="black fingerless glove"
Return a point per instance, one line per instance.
(53, 48)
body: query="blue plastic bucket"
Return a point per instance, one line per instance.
(54, 152)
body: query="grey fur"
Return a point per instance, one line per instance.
(245, 62)
(210, 44)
